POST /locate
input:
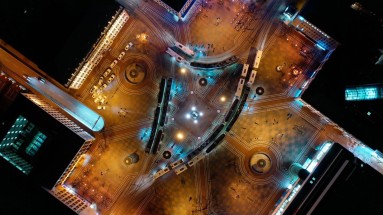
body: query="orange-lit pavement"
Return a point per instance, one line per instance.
(275, 123)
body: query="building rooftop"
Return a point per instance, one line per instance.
(45, 145)
(334, 185)
(176, 5)
(55, 37)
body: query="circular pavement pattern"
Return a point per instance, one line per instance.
(260, 163)
(135, 73)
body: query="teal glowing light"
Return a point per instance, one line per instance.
(34, 146)
(23, 135)
(363, 93)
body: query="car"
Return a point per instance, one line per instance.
(107, 71)
(127, 47)
(111, 78)
(121, 55)
(101, 107)
(93, 89)
(100, 81)
(113, 63)
(102, 100)
(42, 80)
(103, 86)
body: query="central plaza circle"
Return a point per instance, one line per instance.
(195, 114)
(260, 163)
(135, 73)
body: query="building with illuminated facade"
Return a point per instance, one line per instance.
(99, 49)
(364, 92)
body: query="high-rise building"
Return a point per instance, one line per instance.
(42, 134)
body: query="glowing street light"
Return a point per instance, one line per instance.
(223, 98)
(180, 136)
(183, 70)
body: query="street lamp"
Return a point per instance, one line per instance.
(180, 135)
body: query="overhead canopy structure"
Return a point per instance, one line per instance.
(70, 105)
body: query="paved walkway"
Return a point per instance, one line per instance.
(276, 123)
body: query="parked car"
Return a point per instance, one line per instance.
(100, 80)
(93, 89)
(127, 47)
(111, 78)
(121, 55)
(103, 86)
(113, 63)
(107, 71)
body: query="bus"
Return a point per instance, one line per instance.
(252, 76)
(196, 159)
(185, 49)
(257, 59)
(244, 70)
(178, 58)
(180, 169)
(160, 173)
(176, 163)
(241, 82)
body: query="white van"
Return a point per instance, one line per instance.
(127, 47)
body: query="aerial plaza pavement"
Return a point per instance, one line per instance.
(204, 114)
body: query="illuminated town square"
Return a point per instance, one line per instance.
(201, 108)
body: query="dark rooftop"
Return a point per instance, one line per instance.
(340, 184)
(55, 154)
(55, 36)
(347, 26)
(352, 63)
(175, 4)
